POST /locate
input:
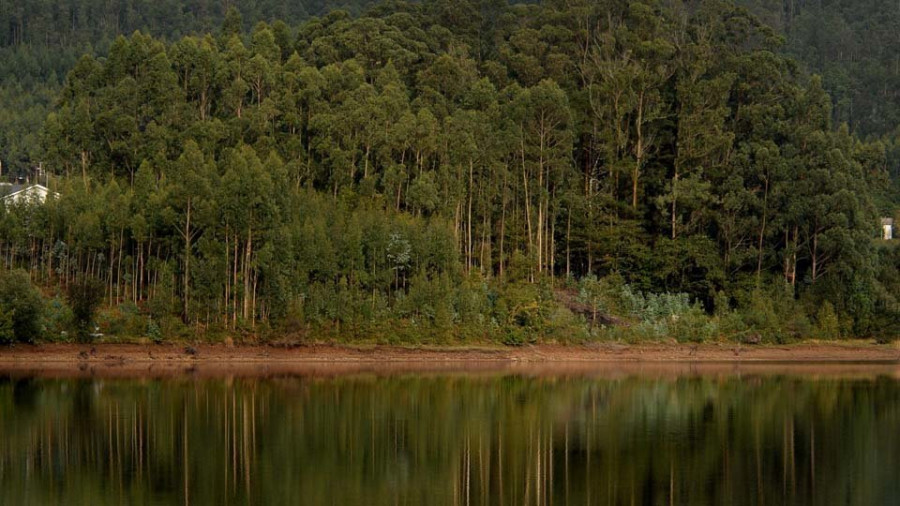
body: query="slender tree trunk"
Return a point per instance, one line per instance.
(135, 266)
(247, 281)
(541, 226)
(485, 257)
(638, 152)
(457, 225)
(253, 303)
(469, 249)
(815, 253)
(551, 246)
(790, 259)
(762, 230)
(227, 279)
(527, 202)
(185, 308)
(84, 164)
(794, 261)
(503, 228)
(366, 162)
(569, 243)
(674, 203)
(234, 283)
(119, 266)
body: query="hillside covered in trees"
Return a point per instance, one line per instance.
(465, 170)
(40, 42)
(854, 45)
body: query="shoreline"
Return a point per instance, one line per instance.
(60, 353)
(607, 360)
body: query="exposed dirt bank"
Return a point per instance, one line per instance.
(611, 352)
(322, 360)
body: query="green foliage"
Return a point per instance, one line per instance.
(85, 296)
(666, 316)
(653, 307)
(522, 311)
(21, 308)
(693, 325)
(856, 84)
(7, 334)
(408, 175)
(154, 333)
(772, 315)
(605, 295)
(827, 324)
(58, 318)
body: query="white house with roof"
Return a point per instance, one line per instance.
(887, 228)
(24, 193)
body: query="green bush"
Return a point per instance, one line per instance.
(57, 318)
(731, 325)
(827, 324)
(652, 307)
(21, 308)
(773, 315)
(85, 296)
(604, 296)
(6, 327)
(517, 336)
(761, 318)
(665, 315)
(154, 332)
(693, 325)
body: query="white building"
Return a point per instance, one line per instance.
(29, 193)
(887, 228)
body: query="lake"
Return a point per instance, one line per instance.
(453, 435)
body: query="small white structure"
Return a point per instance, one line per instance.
(32, 193)
(887, 228)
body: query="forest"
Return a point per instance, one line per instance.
(445, 172)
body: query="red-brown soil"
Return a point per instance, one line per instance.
(604, 359)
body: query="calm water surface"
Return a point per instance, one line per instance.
(516, 437)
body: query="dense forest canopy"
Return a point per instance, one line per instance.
(40, 42)
(467, 169)
(67, 22)
(854, 45)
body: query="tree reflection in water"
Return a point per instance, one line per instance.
(450, 439)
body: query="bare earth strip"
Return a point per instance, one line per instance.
(608, 360)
